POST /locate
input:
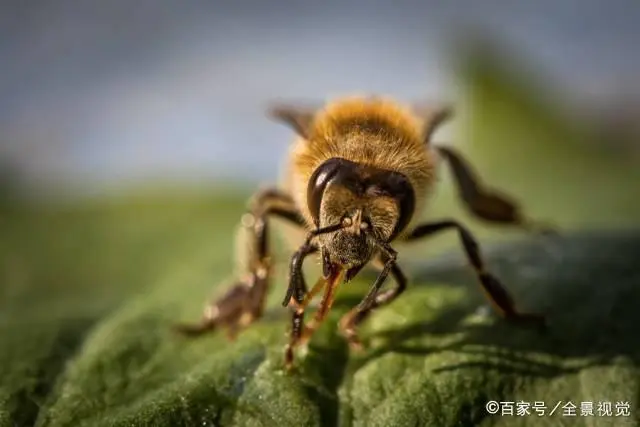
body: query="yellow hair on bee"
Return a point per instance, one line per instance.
(372, 131)
(353, 109)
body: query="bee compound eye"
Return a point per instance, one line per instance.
(364, 225)
(347, 221)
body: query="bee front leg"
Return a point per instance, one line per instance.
(350, 321)
(297, 294)
(487, 205)
(244, 301)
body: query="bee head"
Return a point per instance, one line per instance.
(371, 205)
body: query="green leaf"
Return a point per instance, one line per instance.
(433, 359)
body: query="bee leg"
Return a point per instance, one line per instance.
(488, 205)
(297, 292)
(226, 311)
(302, 333)
(494, 290)
(321, 313)
(350, 321)
(244, 302)
(308, 296)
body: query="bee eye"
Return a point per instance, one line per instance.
(364, 225)
(347, 221)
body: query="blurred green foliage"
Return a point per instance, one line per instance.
(89, 291)
(520, 136)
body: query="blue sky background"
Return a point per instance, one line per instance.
(119, 92)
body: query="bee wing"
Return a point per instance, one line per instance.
(432, 115)
(297, 115)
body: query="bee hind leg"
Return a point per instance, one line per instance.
(244, 302)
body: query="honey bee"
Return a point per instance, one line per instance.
(357, 180)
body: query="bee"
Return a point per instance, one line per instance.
(357, 179)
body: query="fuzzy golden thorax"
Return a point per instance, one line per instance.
(369, 131)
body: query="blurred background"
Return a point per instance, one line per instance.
(101, 95)
(132, 132)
